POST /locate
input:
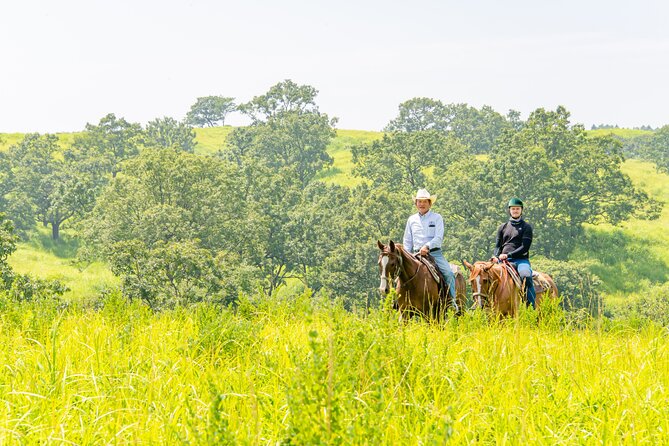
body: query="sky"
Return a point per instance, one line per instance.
(70, 62)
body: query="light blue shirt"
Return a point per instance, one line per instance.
(424, 230)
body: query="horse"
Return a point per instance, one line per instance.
(417, 290)
(494, 287)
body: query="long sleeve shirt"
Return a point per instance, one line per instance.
(514, 239)
(424, 230)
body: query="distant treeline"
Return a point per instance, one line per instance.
(179, 227)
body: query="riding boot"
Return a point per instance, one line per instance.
(529, 292)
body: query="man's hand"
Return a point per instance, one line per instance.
(424, 250)
(494, 259)
(503, 257)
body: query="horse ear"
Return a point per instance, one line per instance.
(392, 246)
(380, 245)
(469, 266)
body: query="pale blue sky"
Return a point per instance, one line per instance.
(66, 63)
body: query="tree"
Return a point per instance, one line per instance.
(658, 148)
(56, 188)
(476, 129)
(288, 131)
(106, 145)
(7, 246)
(565, 178)
(400, 161)
(169, 133)
(209, 111)
(420, 114)
(165, 224)
(283, 98)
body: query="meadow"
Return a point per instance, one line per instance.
(97, 369)
(301, 371)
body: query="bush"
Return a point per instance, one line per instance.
(25, 288)
(653, 306)
(577, 286)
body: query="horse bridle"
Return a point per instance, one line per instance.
(485, 296)
(400, 270)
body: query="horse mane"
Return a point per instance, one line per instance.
(503, 274)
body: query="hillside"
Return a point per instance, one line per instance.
(635, 252)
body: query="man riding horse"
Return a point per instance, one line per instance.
(424, 234)
(514, 239)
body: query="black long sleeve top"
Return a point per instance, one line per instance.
(514, 239)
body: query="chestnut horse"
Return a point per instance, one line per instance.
(493, 287)
(417, 291)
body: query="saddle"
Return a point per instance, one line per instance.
(432, 267)
(540, 284)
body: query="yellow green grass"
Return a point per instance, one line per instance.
(9, 139)
(54, 260)
(632, 256)
(623, 133)
(295, 373)
(211, 139)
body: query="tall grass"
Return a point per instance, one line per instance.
(294, 372)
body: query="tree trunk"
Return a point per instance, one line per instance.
(55, 231)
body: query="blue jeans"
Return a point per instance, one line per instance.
(525, 272)
(445, 269)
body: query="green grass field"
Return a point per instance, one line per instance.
(298, 372)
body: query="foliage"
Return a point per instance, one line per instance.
(209, 111)
(652, 305)
(7, 246)
(399, 161)
(658, 150)
(169, 133)
(28, 288)
(288, 131)
(50, 188)
(578, 288)
(476, 129)
(171, 209)
(106, 145)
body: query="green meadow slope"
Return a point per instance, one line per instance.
(626, 257)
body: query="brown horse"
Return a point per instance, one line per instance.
(417, 290)
(494, 287)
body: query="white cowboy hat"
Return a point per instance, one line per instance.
(423, 194)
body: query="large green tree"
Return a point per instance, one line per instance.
(106, 145)
(402, 161)
(181, 213)
(209, 111)
(565, 178)
(476, 129)
(169, 133)
(56, 188)
(288, 131)
(658, 148)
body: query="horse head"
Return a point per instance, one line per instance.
(390, 264)
(482, 281)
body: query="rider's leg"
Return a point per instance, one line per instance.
(445, 269)
(525, 273)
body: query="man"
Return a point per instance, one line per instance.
(424, 234)
(514, 239)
